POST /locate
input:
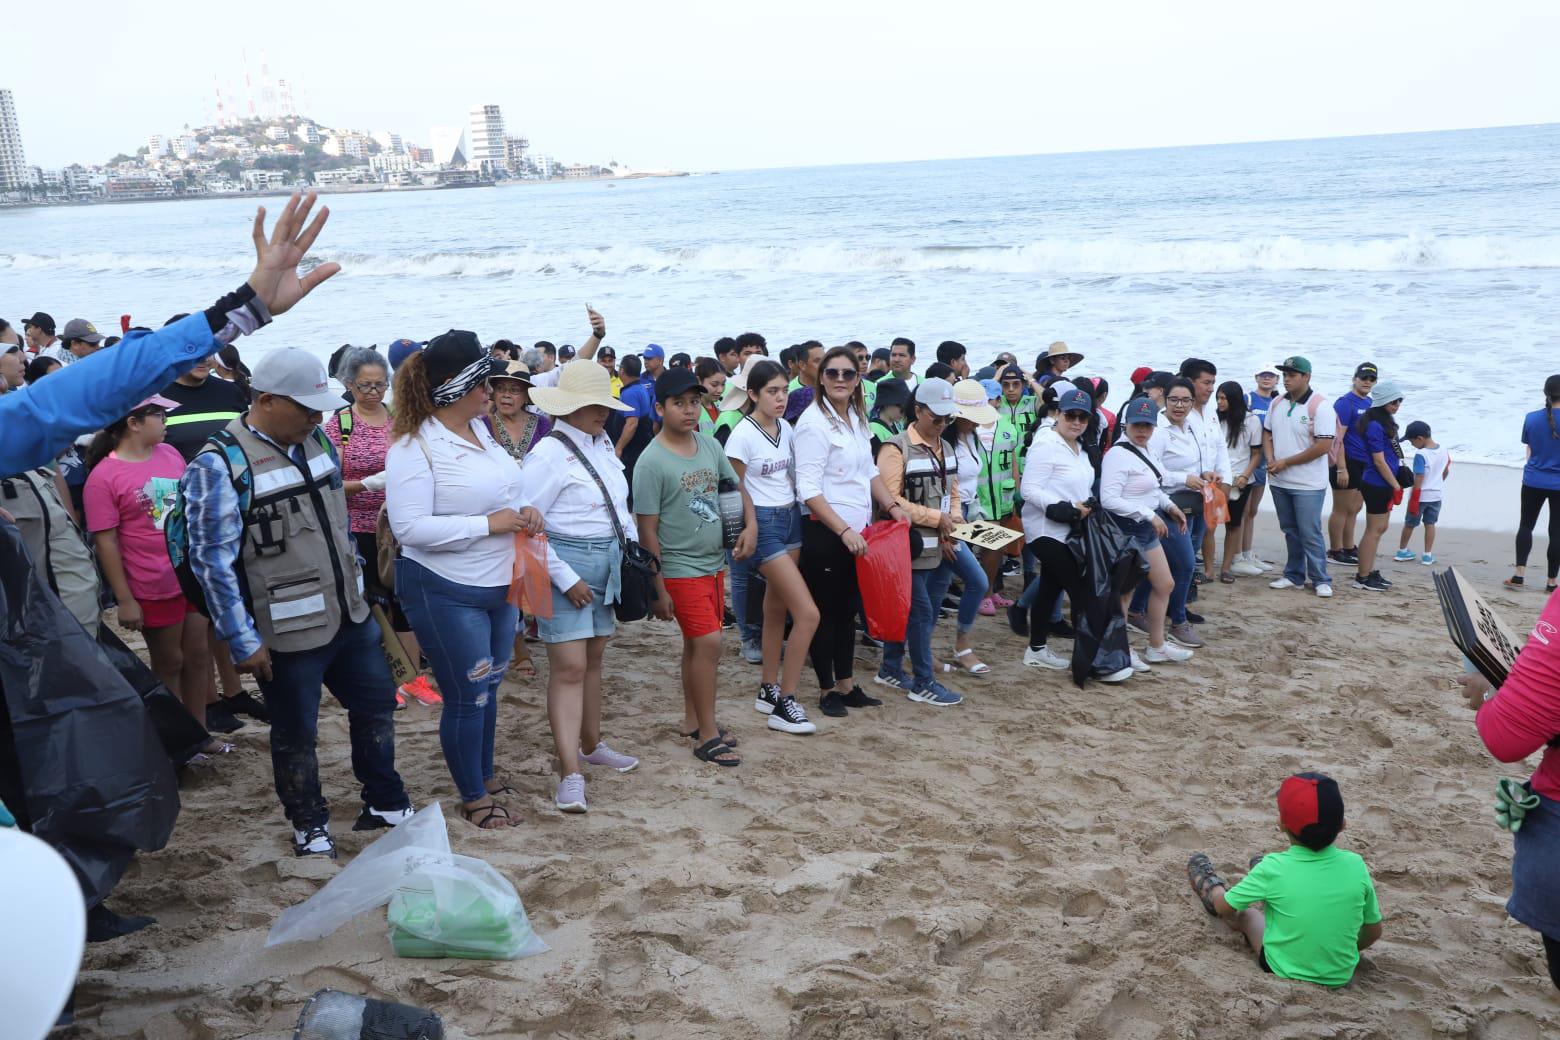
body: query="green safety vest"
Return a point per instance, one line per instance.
(997, 484)
(706, 424)
(885, 432)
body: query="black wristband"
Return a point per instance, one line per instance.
(217, 313)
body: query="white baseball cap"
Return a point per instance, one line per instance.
(1267, 368)
(298, 375)
(936, 394)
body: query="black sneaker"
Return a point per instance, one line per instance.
(220, 718)
(316, 841)
(950, 602)
(1381, 578)
(1370, 583)
(832, 704)
(1191, 593)
(1063, 629)
(858, 698)
(1018, 620)
(245, 703)
(1011, 566)
(1351, 555)
(868, 641)
(788, 717)
(103, 924)
(728, 619)
(768, 698)
(1194, 617)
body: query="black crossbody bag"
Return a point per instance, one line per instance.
(1189, 502)
(636, 582)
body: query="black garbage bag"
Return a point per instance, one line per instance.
(181, 736)
(1111, 568)
(98, 784)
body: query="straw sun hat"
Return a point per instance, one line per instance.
(737, 385)
(581, 383)
(969, 400)
(1060, 349)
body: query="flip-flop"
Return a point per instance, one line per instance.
(1200, 872)
(711, 750)
(1227, 578)
(979, 668)
(1514, 582)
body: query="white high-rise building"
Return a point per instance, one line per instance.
(449, 145)
(489, 151)
(389, 141)
(157, 146)
(14, 175)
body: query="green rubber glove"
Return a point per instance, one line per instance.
(1513, 802)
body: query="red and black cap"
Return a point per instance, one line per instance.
(1310, 806)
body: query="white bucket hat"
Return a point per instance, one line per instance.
(737, 385)
(969, 400)
(581, 383)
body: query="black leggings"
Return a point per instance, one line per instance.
(1058, 574)
(830, 572)
(1534, 499)
(1552, 951)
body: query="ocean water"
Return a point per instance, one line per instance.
(1437, 256)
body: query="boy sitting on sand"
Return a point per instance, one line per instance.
(677, 485)
(1318, 904)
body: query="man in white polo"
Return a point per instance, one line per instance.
(1297, 433)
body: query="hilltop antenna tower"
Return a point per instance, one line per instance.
(289, 110)
(267, 92)
(249, 88)
(221, 111)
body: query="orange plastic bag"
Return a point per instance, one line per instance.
(530, 588)
(1216, 507)
(883, 574)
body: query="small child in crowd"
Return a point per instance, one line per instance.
(1432, 464)
(676, 502)
(1319, 906)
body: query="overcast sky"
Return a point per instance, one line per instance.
(701, 84)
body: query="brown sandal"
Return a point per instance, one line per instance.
(496, 818)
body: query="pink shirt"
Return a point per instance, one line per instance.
(363, 457)
(1525, 714)
(133, 498)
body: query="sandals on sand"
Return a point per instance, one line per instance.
(1514, 582)
(726, 738)
(717, 752)
(1227, 577)
(493, 816)
(1200, 872)
(978, 668)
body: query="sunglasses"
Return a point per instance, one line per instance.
(941, 420)
(843, 375)
(1076, 416)
(1366, 379)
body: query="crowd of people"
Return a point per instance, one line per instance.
(257, 521)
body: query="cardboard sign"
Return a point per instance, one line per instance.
(402, 668)
(1475, 629)
(983, 534)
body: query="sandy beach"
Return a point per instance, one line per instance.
(1011, 867)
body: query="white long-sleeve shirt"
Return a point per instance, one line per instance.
(567, 497)
(1210, 434)
(1179, 452)
(835, 460)
(439, 514)
(1128, 487)
(1054, 471)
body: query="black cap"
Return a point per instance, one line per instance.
(43, 321)
(452, 352)
(1158, 380)
(1417, 428)
(1011, 372)
(675, 381)
(1367, 369)
(892, 391)
(680, 360)
(605, 352)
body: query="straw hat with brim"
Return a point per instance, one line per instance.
(1059, 349)
(515, 370)
(736, 386)
(581, 383)
(969, 399)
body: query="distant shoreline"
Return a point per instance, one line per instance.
(340, 189)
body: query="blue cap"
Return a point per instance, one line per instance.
(992, 387)
(653, 350)
(1140, 410)
(1074, 400)
(400, 350)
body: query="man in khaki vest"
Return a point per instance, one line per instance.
(284, 588)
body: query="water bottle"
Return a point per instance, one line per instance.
(730, 512)
(333, 1015)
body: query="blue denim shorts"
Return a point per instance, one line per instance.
(592, 561)
(779, 532)
(1259, 475)
(1429, 513)
(1144, 539)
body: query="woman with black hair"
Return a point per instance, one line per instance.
(1540, 483)
(1243, 434)
(1382, 479)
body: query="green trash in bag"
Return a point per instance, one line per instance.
(460, 907)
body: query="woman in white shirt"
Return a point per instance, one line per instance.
(759, 448)
(1178, 454)
(454, 501)
(968, 454)
(584, 561)
(837, 485)
(1057, 489)
(1130, 491)
(1242, 432)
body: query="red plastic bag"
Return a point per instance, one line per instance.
(883, 573)
(530, 588)
(1216, 507)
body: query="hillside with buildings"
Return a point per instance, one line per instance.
(280, 153)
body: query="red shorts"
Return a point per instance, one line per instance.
(699, 603)
(160, 613)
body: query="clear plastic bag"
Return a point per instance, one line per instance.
(460, 908)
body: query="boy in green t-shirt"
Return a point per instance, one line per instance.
(677, 483)
(1319, 907)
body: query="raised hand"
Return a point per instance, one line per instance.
(275, 278)
(598, 324)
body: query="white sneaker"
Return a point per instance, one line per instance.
(1324, 591)
(1262, 564)
(1245, 568)
(1282, 583)
(1114, 677)
(1138, 664)
(1045, 657)
(314, 841)
(1169, 653)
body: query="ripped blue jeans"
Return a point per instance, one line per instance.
(467, 633)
